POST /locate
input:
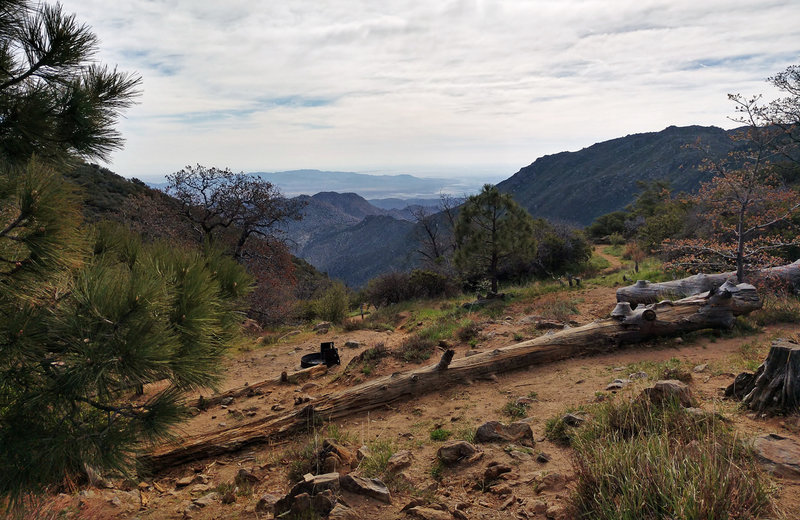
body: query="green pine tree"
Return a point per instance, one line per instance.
(87, 314)
(491, 231)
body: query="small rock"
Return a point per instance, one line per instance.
(494, 470)
(539, 507)
(552, 482)
(573, 420)
(700, 368)
(308, 387)
(342, 512)
(245, 477)
(229, 497)
(115, 501)
(555, 512)
(501, 490)
(779, 455)
(266, 503)
(453, 452)
(370, 487)
(227, 401)
(206, 499)
(459, 515)
(505, 505)
(352, 344)
(613, 387)
(331, 446)
(322, 327)
(278, 408)
(399, 461)
(185, 481)
(495, 431)
(223, 425)
(363, 453)
(199, 488)
(638, 375)
(543, 457)
(669, 389)
(619, 369)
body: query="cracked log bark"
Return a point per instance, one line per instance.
(645, 292)
(775, 387)
(626, 326)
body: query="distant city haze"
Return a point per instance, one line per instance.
(454, 89)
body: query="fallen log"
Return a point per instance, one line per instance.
(304, 374)
(626, 326)
(645, 292)
(262, 387)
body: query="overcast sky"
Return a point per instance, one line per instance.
(432, 88)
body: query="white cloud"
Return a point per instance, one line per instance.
(425, 86)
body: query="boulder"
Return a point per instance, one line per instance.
(453, 452)
(669, 389)
(370, 487)
(779, 455)
(495, 431)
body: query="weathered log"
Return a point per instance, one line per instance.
(665, 318)
(775, 387)
(645, 292)
(304, 374)
(260, 388)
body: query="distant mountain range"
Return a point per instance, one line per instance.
(355, 239)
(309, 182)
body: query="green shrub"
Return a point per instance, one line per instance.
(467, 331)
(415, 349)
(515, 410)
(440, 434)
(380, 452)
(557, 431)
(332, 305)
(616, 239)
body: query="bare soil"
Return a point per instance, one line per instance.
(556, 387)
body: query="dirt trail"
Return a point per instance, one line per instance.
(616, 263)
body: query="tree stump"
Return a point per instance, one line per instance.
(776, 385)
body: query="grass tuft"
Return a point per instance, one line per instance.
(639, 460)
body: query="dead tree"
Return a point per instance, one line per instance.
(645, 292)
(775, 386)
(626, 326)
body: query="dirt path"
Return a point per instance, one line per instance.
(616, 263)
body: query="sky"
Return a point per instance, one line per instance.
(475, 88)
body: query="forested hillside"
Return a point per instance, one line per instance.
(580, 186)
